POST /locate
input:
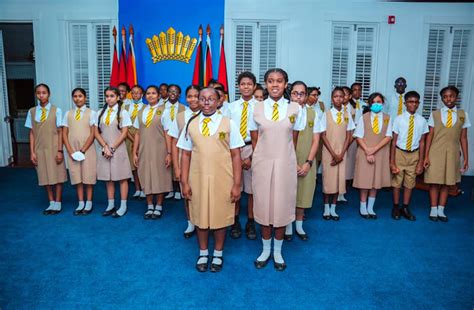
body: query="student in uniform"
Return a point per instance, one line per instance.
(46, 147)
(395, 106)
(210, 175)
(306, 148)
(357, 98)
(152, 153)
(313, 99)
(124, 90)
(448, 135)
(78, 137)
(223, 105)
(406, 154)
(336, 131)
(192, 98)
(372, 166)
(259, 92)
(114, 165)
(133, 106)
(240, 112)
(274, 130)
(163, 94)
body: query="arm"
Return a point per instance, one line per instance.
(106, 152)
(175, 158)
(393, 165)
(131, 136)
(33, 158)
(136, 144)
(185, 162)
(168, 159)
(89, 141)
(312, 154)
(254, 137)
(59, 154)
(237, 173)
(429, 139)
(121, 138)
(67, 145)
(327, 144)
(382, 143)
(464, 148)
(419, 166)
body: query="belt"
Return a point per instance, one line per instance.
(412, 151)
(248, 143)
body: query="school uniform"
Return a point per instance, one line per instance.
(394, 106)
(319, 108)
(79, 122)
(410, 130)
(132, 108)
(373, 128)
(118, 167)
(162, 101)
(170, 117)
(445, 161)
(154, 176)
(335, 123)
(274, 175)
(307, 184)
(210, 172)
(240, 112)
(351, 151)
(182, 119)
(45, 123)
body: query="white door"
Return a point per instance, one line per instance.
(6, 152)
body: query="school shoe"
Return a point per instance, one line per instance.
(373, 216)
(334, 218)
(341, 199)
(142, 196)
(261, 264)
(250, 230)
(189, 234)
(327, 217)
(87, 212)
(364, 216)
(170, 195)
(217, 267)
(303, 237)
(278, 266)
(116, 215)
(407, 214)
(396, 213)
(443, 219)
(288, 237)
(157, 214)
(108, 213)
(433, 218)
(148, 214)
(202, 267)
(236, 230)
(136, 196)
(177, 196)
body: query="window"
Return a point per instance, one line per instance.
(91, 57)
(353, 54)
(255, 49)
(446, 60)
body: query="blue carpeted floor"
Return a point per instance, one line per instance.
(68, 262)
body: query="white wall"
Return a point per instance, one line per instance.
(306, 39)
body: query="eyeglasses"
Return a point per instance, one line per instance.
(298, 94)
(207, 100)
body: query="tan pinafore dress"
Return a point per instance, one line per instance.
(132, 130)
(180, 109)
(78, 132)
(444, 154)
(154, 176)
(351, 153)
(211, 177)
(274, 175)
(46, 149)
(376, 175)
(118, 167)
(334, 177)
(306, 184)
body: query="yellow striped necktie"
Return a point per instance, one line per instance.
(78, 114)
(149, 117)
(107, 118)
(135, 111)
(275, 114)
(375, 124)
(205, 127)
(43, 115)
(243, 120)
(449, 121)
(357, 104)
(172, 113)
(411, 130)
(400, 105)
(339, 118)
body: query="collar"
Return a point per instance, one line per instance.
(138, 102)
(269, 101)
(154, 106)
(241, 100)
(407, 114)
(334, 110)
(446, 109)
(114, 108)
(47, 106)
(83, 108)
(213, 117)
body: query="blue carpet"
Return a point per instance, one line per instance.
(67, 262)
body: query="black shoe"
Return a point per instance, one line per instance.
(47, 212)
(54, 212)
(202, 267)
(327, 217)
(434, 218)
(250, 230)
(373, 216)
(110, 212)
(443, 219)
(335, 218)
(155, 216)
(396, 213)
(217, 267)
(236, 230)
(364, 216)
(288, 237)
(188, 235)
(260, 264)
(148, 215)
(279, 267)
(87, 212)
(116, 215)
(407, 214)
(78, 212)
(303, 237)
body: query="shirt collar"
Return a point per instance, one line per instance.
(114, 108)
(334, 110)
(213, 117)
(445, 109)
(47, 106)
(269, 101)
(83, 108)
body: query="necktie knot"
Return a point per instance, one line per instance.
(206, 120)
(275, 105)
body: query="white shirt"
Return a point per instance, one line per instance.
(444, 117)
(391, 107)
(234, 112)
(333, 111)
(236, 140)
(162, 101)
(173, 130)
(130, 105)
(317, 107)
(136, 123)
(59, 115)
(359, 131)
(316, 121)
(357, 112)
(92, 120)
(400, 127)
(124, 116)
(300, 122)
(166, 119)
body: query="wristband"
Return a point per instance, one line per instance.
(310, 162)
(82, 152)
(60, 151)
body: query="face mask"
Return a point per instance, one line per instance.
(376, 107)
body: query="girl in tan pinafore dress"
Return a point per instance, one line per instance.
(152, 153)
(46, 147)
(336, 128)
(113, 165)
(447, 136)
(78, 137)
(211, 175)
(372, 167)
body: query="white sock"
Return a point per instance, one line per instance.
(203, 260)
(332, 211)
(299, 227)
(80, 206)
(277, 251)
(370, 205)
(149, 210)
(57, 206)
(363, 207)
(217, 257)
(289, 229)
(51, 206)
(327, 211)
(137, 194)
(158, 209)
(111, 205)
(267, 246)
(123, 208)
(434, 211)
(441, 211)
(190, 227)
(341, 197)
(88, 206)
(142, 194)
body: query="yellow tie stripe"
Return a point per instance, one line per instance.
(243, 120)
(172, 113)
(107, 118)
(357, 104)
(411, 130)
(43, 115)
(449, 121)
(78, 115)
(149, 117)
(400, 105)
(339, 118)
(205, 127)
(135, 111)
(375, 124)
(275, 114)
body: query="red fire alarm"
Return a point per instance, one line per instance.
(391, 19)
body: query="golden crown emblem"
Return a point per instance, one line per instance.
(171, 46)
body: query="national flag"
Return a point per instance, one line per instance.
(114, 74)
(222, 75)
(208, 64)
(131, 63)
(198, 75)
(123, 58)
